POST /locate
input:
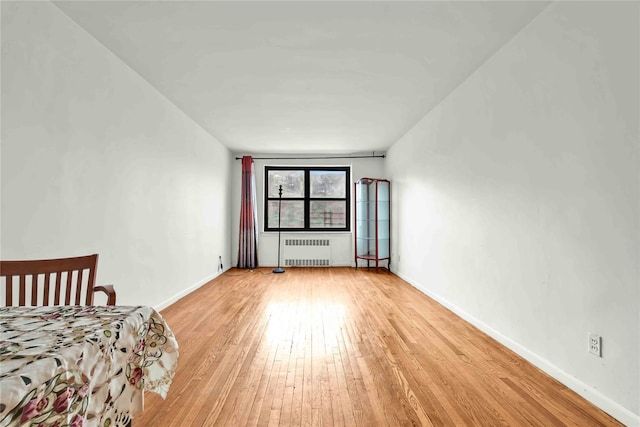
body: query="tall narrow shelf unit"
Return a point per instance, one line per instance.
(373, 222)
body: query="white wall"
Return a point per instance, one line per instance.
(95, 160)
(517, 199)
(342, 242)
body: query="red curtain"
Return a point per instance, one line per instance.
(248, 245)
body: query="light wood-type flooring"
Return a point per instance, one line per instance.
(345, 347)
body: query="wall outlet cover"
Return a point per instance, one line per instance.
(595, 344)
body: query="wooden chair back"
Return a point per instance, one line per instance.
(63, 281)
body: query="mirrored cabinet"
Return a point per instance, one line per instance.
(372, 223)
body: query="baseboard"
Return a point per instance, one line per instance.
(342, 264)
(612, 408)
(185, 292)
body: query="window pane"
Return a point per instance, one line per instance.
(331, 184)
(292, 182)
(292, 214)
(328, 214)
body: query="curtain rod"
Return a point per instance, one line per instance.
(318, 158)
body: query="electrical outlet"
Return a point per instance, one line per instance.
(595, 345)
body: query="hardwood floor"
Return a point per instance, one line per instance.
(345, 347)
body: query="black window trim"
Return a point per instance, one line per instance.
(307, 199)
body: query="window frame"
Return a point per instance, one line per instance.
(307, 199)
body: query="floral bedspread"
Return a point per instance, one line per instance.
(81, 366)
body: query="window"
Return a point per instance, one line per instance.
(313, 198)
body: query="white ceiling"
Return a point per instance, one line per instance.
(304, 77)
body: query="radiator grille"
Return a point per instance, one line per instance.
(307, 242)
(306, 262)
(307, 252)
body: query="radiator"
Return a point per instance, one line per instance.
(307, 252)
